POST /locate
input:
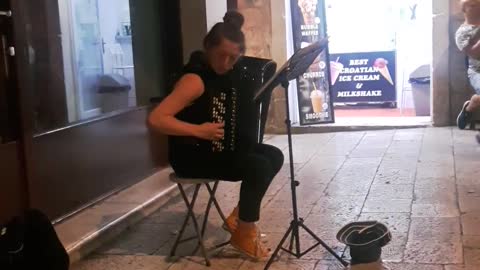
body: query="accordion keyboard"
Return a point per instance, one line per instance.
(224, 110)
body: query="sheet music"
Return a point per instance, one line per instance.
(295, 66)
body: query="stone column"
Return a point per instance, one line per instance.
(194, 26)
(441, 63)
(460, 89)
(260, 17)
(197, 18)
(277, 113)
(450, 86)
(266, 34)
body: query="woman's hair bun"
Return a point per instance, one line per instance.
(234, 18)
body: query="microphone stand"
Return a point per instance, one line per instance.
(292, 69)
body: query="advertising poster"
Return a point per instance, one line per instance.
(314, 100)
(363, 77)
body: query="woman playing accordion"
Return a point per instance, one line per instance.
(210, 120)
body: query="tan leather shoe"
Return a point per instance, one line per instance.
(231, 223)
(247, 241)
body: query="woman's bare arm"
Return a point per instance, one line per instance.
(187, 90)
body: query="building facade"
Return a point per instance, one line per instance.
(77, 87)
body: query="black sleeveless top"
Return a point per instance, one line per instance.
(185, 149)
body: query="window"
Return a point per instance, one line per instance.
(82, 60)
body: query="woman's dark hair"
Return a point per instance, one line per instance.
(230, 28)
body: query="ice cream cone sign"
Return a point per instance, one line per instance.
(382, 65)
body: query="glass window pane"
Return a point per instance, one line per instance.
(82, 60)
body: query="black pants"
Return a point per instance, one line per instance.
(256, 169)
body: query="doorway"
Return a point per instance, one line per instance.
(377, 69)
(97, 48)
(399, 32)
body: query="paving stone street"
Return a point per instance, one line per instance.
(422, 183)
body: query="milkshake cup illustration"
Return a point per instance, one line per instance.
(335, 70)
(382, 65)
(317, 99)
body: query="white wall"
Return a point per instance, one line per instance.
(111, 14)
(215, 11)
(411, 55)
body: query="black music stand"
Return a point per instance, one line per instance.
(296, 66)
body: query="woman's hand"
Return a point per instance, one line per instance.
(210, 131)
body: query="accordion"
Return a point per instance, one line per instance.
(230, 100)
(232, 103)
